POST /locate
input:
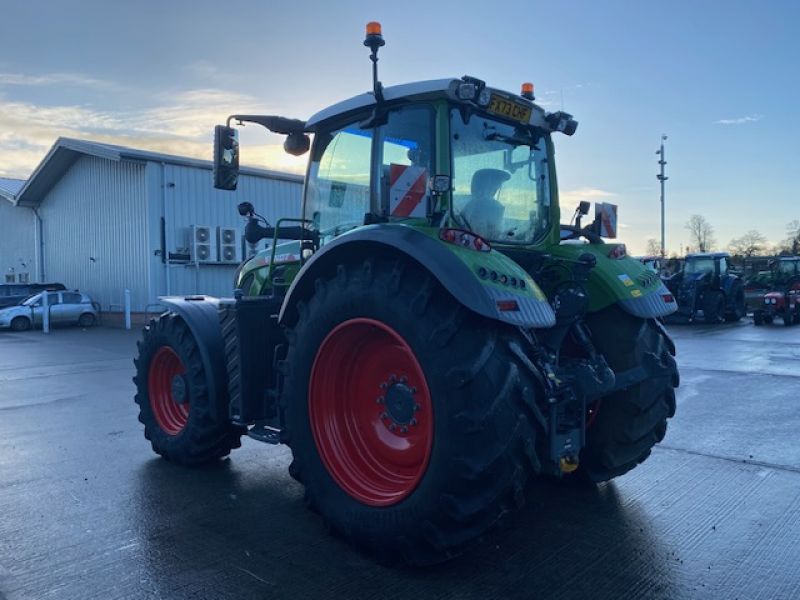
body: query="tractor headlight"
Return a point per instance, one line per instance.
(484, 97)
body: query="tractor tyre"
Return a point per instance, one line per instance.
(713, 307)
(411, 420)
(625, 425)
(758, 318)
(788, 317)
(179, 418)
(768, 319)
(738, 304)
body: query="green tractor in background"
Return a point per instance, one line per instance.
(427, 338)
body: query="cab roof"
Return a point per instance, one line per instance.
(417, 90)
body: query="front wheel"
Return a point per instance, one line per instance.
(624, 426)
(20, 324)
(408, 417)
(175, 407)
(738, 304)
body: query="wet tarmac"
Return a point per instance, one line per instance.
(87, 511)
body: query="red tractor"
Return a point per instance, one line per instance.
(784, 300)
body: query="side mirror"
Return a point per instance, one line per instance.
(226, 158)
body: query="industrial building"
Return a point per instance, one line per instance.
(17, 249)
(104, 218)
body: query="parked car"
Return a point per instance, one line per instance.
(14, 293)
(65, 308)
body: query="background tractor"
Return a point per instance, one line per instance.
(784, 298)
(422, 337)
(706, 285)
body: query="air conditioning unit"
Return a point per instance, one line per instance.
(226, 245)
(202, 244)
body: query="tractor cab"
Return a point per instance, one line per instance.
(786, 269)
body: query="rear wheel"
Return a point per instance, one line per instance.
(86, 320)
(627, 424)
(180, 420)
(788, 317)
(409, 418)
(20, 324)
(713, 307)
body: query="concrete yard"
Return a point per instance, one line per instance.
(88, 511)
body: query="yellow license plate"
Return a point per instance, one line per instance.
(509, 109)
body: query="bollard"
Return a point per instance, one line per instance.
(45, 313)
(127, 309)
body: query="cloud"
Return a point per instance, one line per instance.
(740, 120)
(572, 197)
(176, 123)
(60, 79)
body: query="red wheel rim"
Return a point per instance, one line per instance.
(170, 414)
(370, 412)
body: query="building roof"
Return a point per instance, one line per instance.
(10, 187)
(708, 255)
(66, 151)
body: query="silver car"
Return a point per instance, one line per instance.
(66, 308)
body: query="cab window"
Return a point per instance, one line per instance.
(406, 158)
(338, 193)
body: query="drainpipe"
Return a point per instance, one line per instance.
(39, 242)
(167, 231)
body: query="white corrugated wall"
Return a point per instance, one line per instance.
(187, 197)
(17, 244)
(94, 230)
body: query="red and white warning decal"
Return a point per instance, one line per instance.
(407, 189)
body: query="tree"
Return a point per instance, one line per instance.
(793, 241)
(653, 247)
(750, 244)
(701, 233)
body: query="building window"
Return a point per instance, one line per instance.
(9, 278)
(22, 278)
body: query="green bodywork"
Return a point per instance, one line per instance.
(612, 279)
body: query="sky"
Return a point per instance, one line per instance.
(720, 78)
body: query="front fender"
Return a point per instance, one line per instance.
(201, 315)
(454, 267)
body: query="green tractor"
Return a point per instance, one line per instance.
(427, 338)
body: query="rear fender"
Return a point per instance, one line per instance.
(201, 315)
(624, 281)
(455, 268)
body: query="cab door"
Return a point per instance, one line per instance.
(339, 189)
